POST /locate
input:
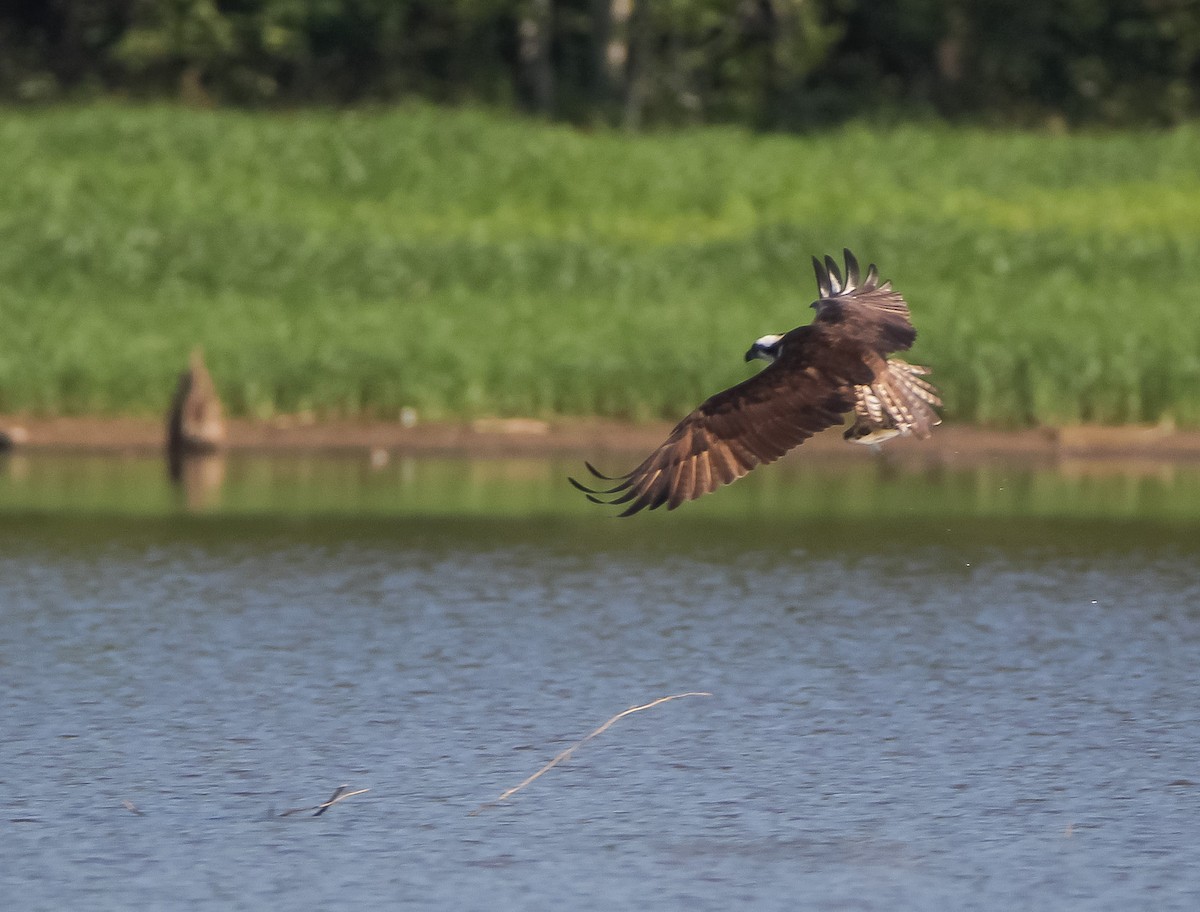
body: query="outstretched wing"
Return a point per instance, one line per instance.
(807, 390)
(862, 310)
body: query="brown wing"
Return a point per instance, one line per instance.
(862, 310)
(807, 390)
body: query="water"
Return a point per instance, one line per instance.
(990, 705)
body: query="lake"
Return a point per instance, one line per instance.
(931, 689)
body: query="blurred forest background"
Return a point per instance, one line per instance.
(762, 63)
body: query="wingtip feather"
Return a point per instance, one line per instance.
(822, 278)
(581, 487)
(851, 268)
(591, 468)
(835, 275)
(586, 490)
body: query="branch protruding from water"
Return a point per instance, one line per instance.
(578, 744)
(339, 794)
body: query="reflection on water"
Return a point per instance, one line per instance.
(199, 477)
(932, 689)
(446, 487)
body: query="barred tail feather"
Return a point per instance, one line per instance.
(900, 402)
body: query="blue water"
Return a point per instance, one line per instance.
(911, 721)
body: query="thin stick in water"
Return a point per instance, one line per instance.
(339, 794)
(570, 750)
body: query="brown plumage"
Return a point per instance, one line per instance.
(818, 372)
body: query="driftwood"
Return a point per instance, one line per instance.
(504, 796)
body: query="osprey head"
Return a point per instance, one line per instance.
(768, 348)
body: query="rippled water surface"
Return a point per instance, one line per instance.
(929, 691)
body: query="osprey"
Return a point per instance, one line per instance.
(815, 374)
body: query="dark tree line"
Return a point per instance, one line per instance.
(769, 63)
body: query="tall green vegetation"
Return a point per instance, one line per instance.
(463, 263)
(775, 63)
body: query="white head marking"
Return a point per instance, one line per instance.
(766, 348)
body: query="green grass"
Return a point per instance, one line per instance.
(463, 263)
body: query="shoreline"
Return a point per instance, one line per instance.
(584, 437)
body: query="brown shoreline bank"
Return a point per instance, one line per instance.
(588, 438)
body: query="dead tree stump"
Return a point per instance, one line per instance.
(196, 421)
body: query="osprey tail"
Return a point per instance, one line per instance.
(898, 403)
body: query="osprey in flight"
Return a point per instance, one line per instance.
(816, 373)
